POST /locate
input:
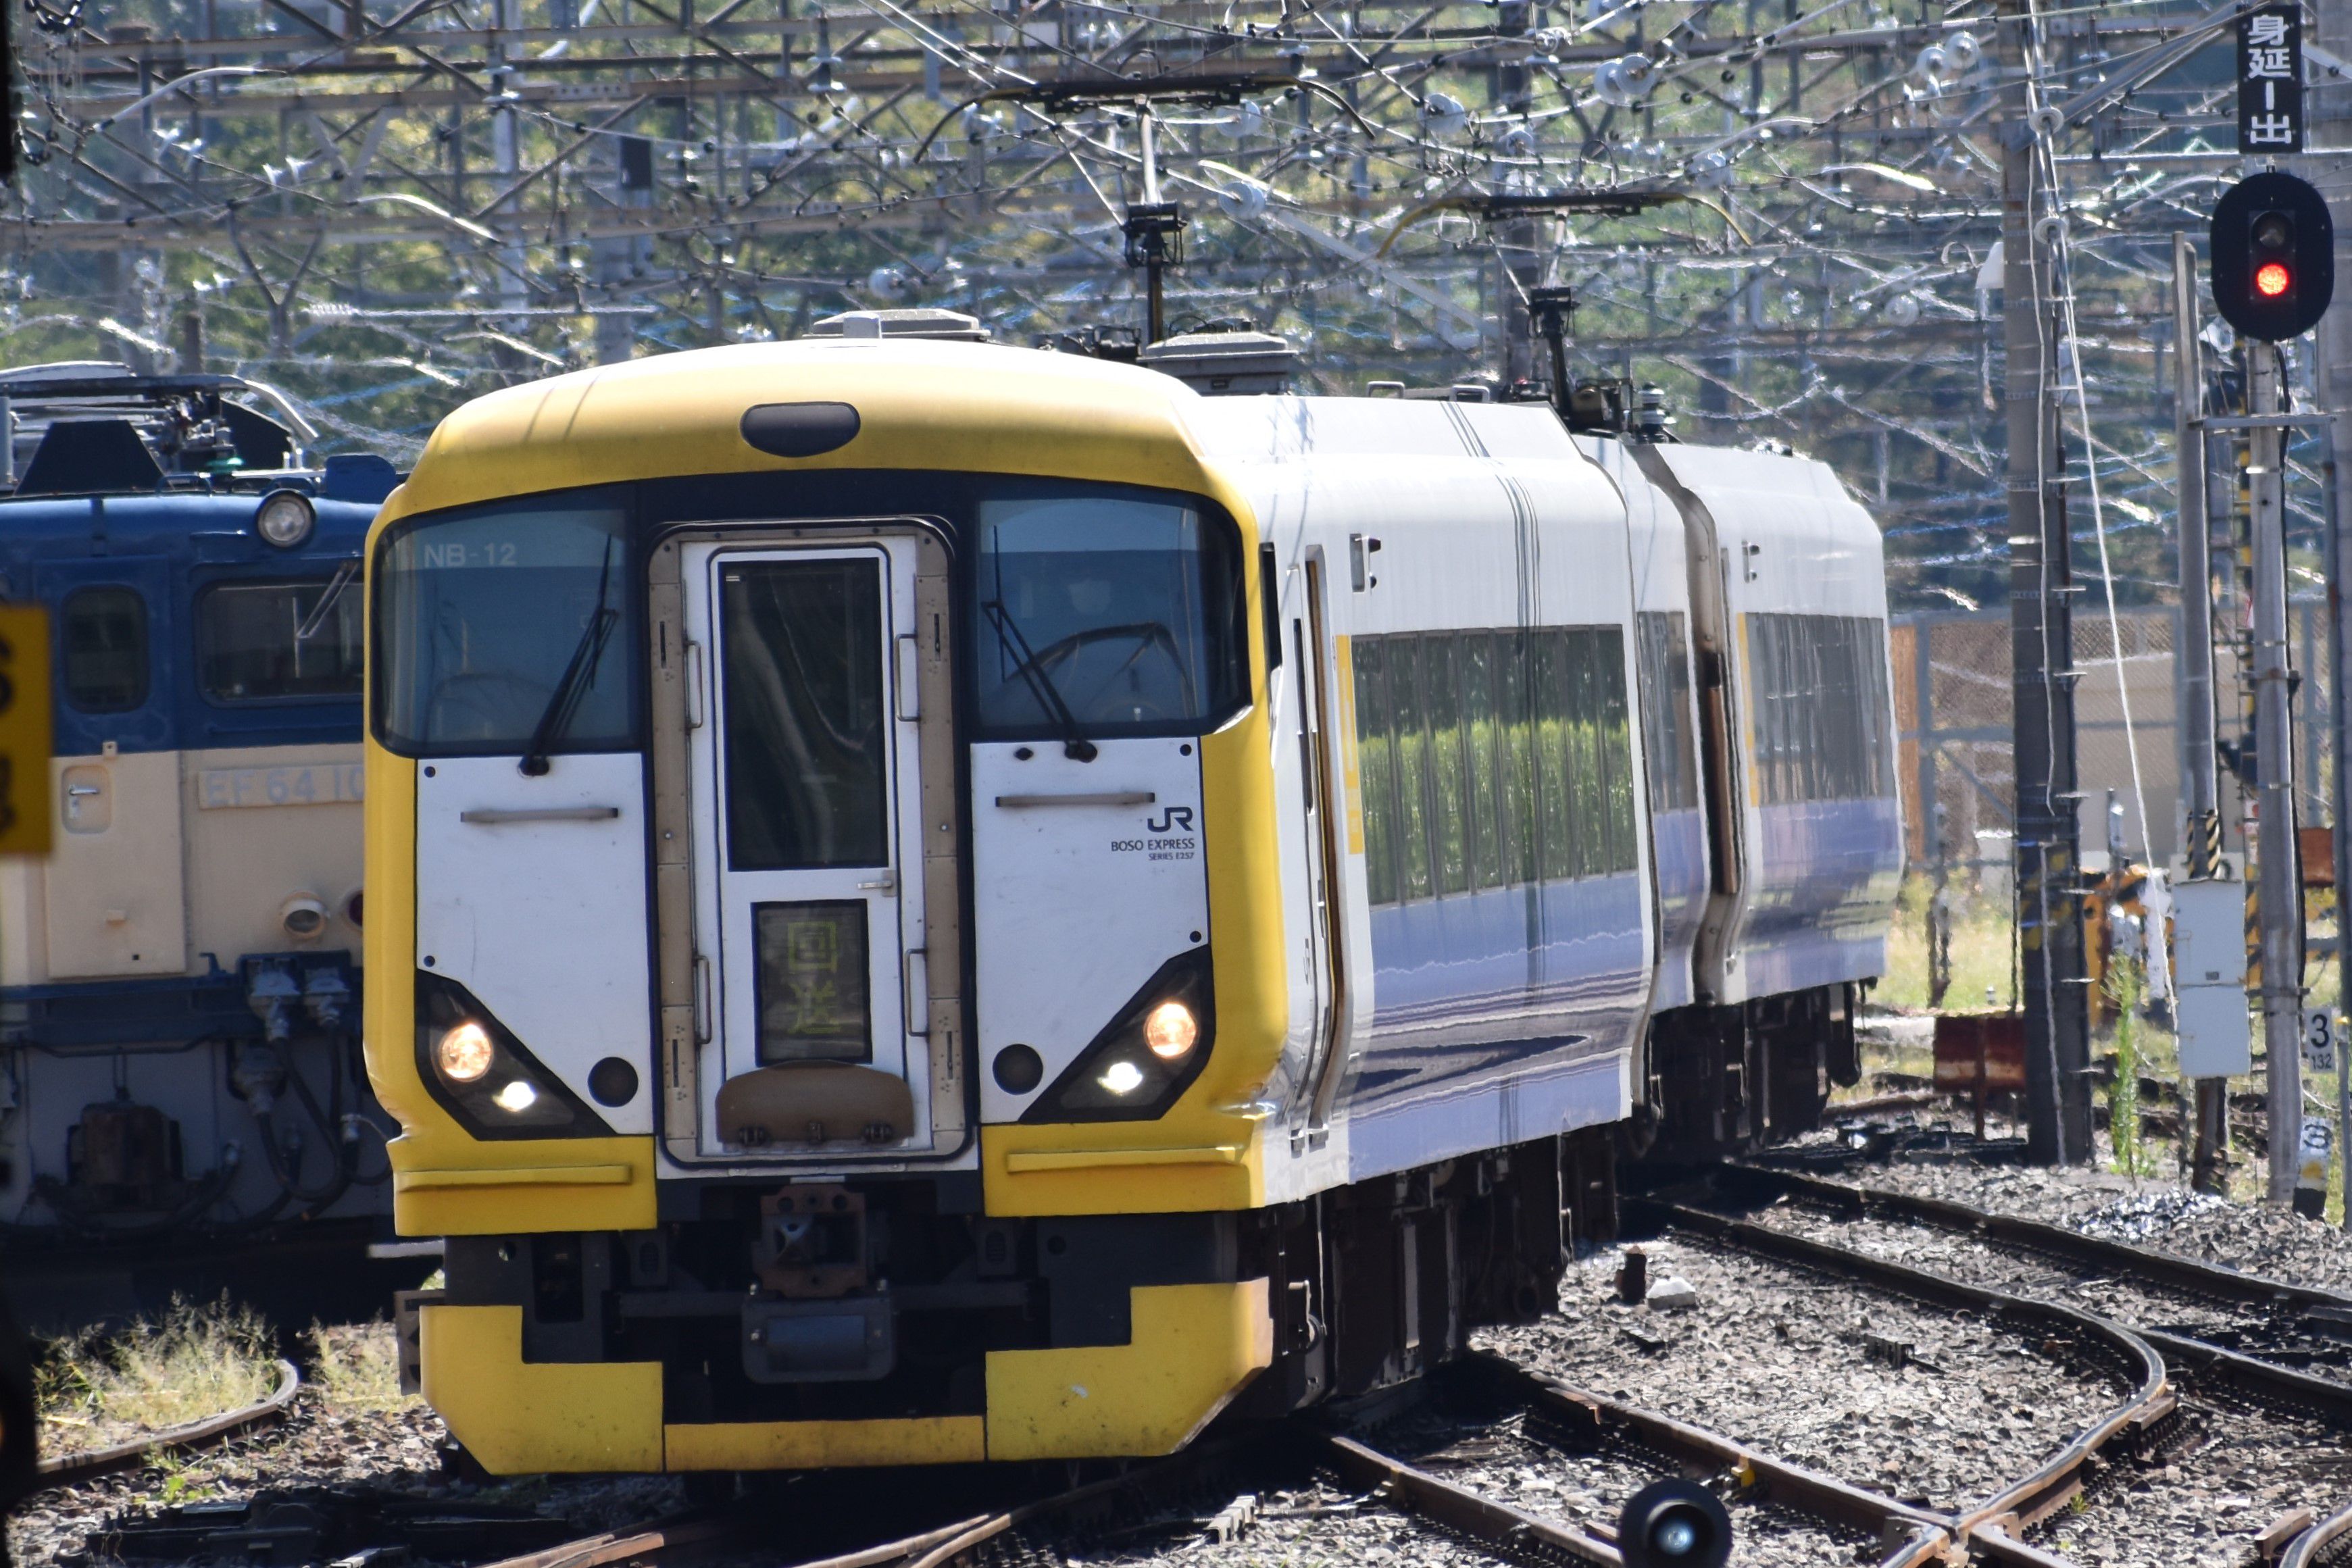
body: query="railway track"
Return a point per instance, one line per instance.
(87, 1464)
(1435, 1462)
(2257, 1450)
(1506, 1465)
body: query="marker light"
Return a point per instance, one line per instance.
(2272, 279)
(1124, 1077)
(517, 1097)
(285, 518)
(1170, 1031)
(464, 1053)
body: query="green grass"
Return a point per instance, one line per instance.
(356, 1368)
(99, 1389)
(1983, 931)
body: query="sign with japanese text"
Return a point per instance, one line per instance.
(2270, 80)
(24, 729)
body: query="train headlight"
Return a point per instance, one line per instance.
(285, 518)
(1145, 1058)
(464, 1053)
(1170, 1031)
(488, 1080)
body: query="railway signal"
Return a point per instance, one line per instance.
(2273, 254)
(1674, 1523)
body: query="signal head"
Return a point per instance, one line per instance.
(2273, 254)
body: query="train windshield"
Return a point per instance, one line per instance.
(487, 620)
(257, 642)
(1106, 613)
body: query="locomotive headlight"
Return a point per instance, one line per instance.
(1170, 1031)
(1146, 1055)
(285, 518)
(466, 1052)
(482, 1075)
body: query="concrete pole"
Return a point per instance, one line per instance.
(2280, 887)
(2200, 784)
(2041, 572)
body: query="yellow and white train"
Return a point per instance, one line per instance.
(975, 903)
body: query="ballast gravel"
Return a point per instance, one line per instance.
(390, 1452)
(2149, 1211)
(1805, 1367)
(2230, 1470)
(1959, 1256)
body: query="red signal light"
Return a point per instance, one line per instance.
(2273, 279)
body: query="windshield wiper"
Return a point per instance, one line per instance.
(564, 701)
(335, 586)
(1075, 745)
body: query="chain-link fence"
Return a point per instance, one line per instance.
(1953, 701)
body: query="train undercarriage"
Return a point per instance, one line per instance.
(1726, 1081)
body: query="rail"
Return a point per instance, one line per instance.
(1999, 1519)
(69, 1469)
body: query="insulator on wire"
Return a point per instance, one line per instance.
(1625, 81)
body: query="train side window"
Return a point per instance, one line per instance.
(1449, 810)
(257, 642)
(1412, 733)
(1614, 737)
(1376, 763)
(1822, 712)
(1588, 760)
(1556, 782)
(1484, 736)
(1663, 643)
(102, 639)
(1515, 659)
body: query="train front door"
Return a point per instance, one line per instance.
(813, 664)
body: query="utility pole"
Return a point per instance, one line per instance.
(2041, 572)
(2280, 888)
(2200, 785)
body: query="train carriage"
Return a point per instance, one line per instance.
(179, 978)
(970, 904)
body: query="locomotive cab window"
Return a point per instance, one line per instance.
(499, 627)
(1108, 613)
(262, 641)
(102, 638)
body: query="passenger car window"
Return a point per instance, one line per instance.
(481, 612)
(103, 640)
(258, 641)
(1481, 748)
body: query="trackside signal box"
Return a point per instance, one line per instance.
(2209, 968)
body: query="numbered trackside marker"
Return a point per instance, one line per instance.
(2319, 1032)
(25, 742)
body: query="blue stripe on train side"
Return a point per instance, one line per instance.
(1499, 1017)
(1818, 912)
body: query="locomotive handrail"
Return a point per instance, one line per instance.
(491, 816)
(1104, 797)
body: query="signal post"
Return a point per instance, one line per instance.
(2273, 259)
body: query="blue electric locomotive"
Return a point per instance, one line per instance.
(179, 978)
